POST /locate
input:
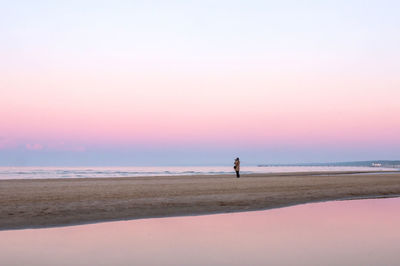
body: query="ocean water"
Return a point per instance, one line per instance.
(356, 232)
(99, 172)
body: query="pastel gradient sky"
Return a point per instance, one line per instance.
(198, 82)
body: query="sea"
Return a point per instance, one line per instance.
(135, 171)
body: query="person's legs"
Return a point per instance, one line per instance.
(237, 174)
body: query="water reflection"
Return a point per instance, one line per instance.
(361, 232)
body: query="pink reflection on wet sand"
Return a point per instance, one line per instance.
(358, 232)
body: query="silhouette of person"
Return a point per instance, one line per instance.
(236, 166)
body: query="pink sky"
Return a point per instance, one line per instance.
(174, 109)
(78, 79)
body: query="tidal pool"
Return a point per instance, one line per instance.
(356, 232)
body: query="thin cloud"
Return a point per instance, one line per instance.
(34, 147)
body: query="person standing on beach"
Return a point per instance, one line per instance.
(236, 166)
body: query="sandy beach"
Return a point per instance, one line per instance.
(56, 202)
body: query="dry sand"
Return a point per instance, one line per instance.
(53, 202)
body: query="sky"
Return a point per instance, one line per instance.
(198, 82)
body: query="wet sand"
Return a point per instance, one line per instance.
(56, 202)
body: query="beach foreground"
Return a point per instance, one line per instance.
(55, 202)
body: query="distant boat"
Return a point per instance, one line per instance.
(376, 164)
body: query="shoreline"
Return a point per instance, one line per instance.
(44, 203)
(298, 173)
(201, 214)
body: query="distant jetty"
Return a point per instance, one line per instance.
(376, 163)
